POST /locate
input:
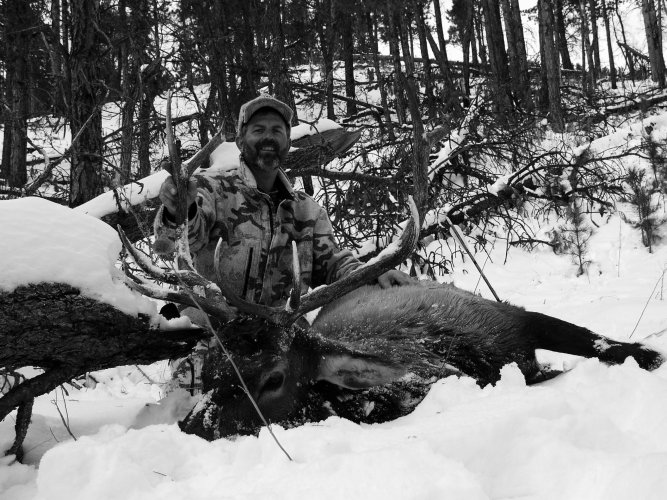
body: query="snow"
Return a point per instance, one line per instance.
(127, 196)
(595, 432)
(46, 242)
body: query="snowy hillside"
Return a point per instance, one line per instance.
(595, 432)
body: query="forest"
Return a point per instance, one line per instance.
(85, 82)
(531, 135)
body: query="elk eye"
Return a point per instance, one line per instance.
(274, 382)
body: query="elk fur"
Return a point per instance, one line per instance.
(372, 355)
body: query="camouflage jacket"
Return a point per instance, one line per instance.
(257, 235)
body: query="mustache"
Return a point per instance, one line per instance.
(267, 143)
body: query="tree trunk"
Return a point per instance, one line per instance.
(420, 146)
(595, 44)
(323, 22)
(128, 82)
(51, 326)
(87, 97)
(250, 71)
(561, 37)
(345, 22)
(612, 66)
(497, 56)
(429, 87)
(392, 38)
(629, 59)
(442, 47)
(373, 29)
(654, 41)
(479, 35)
(56, 57)
(516, 51)
(588, 77)
(19, 19)
(550, 51)
(278, 70)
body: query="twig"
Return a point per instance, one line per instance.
(236, 370)
(62, 417)
(145, 375)
(649, 300)
(455, 230)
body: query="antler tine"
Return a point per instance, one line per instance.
(215, 306)
(295, 294)
(189, 278)
(386, 260)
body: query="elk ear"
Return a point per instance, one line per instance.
(357, 372)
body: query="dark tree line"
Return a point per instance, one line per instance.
(71, 59)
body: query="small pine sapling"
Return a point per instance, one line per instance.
(645, 199)
(572, 237)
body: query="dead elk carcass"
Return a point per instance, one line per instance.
(371, 355)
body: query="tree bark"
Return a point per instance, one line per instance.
(429, 87)
(87, 96)
(588, 77)
(612, 66)
(373, 29)
(51, 326)
(19, 19)
(442, 47)
(654, 40)
(629, 59)
(392, 36)
(497, 56)
(324, 21)
(548, 42)
(561, 37)
(595, 43)
(516, 51)
(345, 22)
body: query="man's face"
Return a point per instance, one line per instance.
(264, 142)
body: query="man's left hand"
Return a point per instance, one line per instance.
(394, 277)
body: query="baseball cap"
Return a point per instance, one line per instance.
(265, 101)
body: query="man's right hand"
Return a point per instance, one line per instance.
(168, 198)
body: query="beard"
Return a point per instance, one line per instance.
(265, 155)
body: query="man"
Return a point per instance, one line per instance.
(257, 213)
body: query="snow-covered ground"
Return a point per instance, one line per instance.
(595, 432)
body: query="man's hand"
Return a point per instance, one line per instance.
(168, 195)
(394, 277)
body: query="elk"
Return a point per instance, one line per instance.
(371, 354)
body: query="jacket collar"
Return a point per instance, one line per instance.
(249, 179)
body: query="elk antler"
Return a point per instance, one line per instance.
(213, 303)
(297, 307)
(181, 173)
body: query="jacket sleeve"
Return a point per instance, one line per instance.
(330, 263)
(201, 221)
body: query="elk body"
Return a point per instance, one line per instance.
(372, 355)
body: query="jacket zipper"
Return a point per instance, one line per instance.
(262, 272)
(247, 273)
